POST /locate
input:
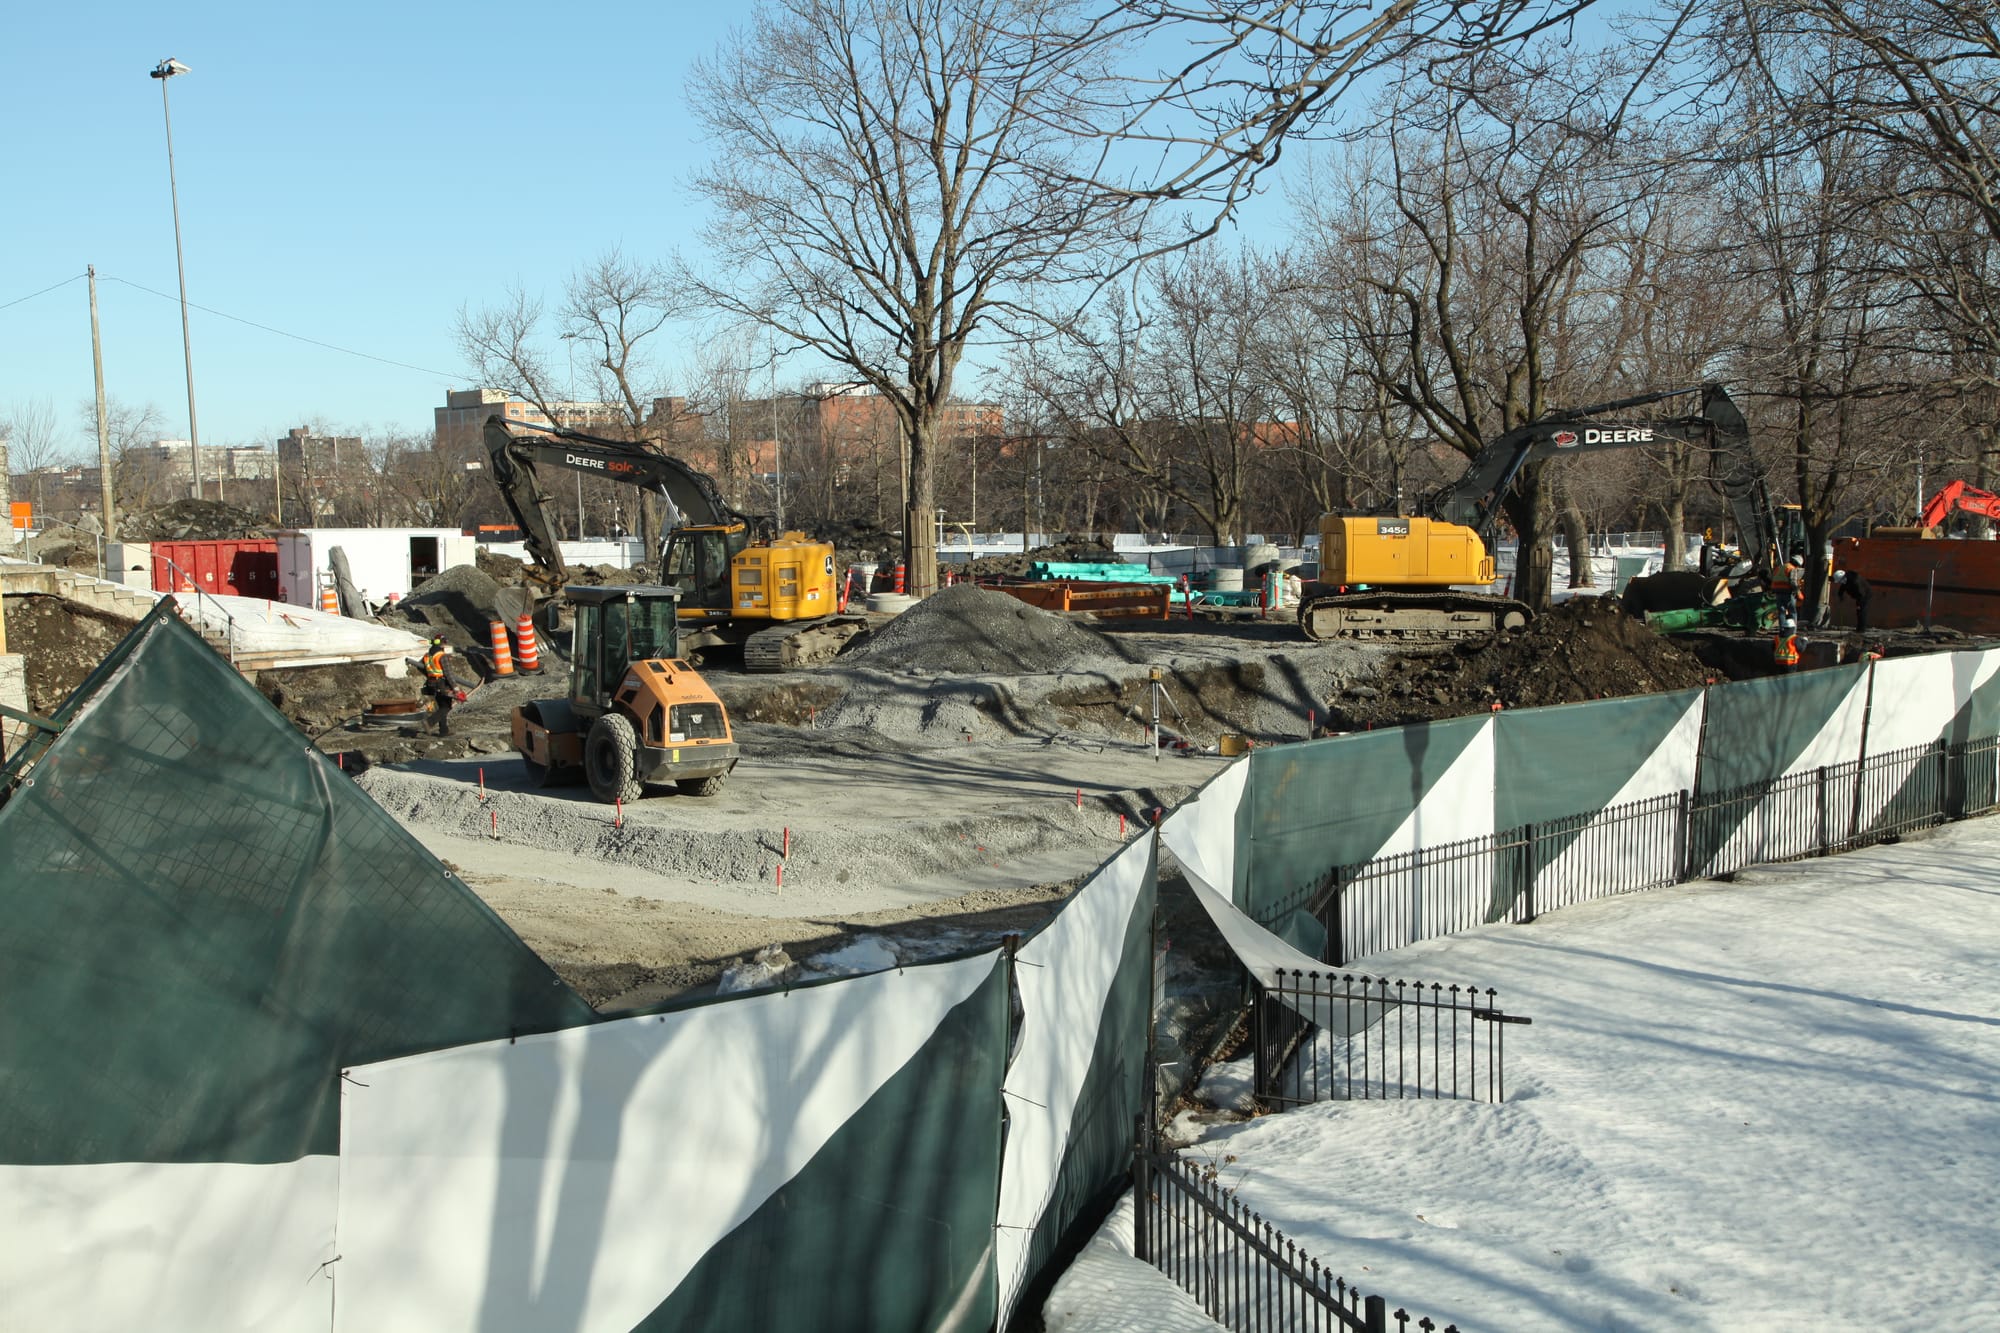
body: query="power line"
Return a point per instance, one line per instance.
(44, 291)
(297, 337)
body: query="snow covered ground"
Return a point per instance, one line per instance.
(1768, 1104)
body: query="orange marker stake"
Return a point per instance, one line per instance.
(482, 786)
(618, 818)
(496, 823)
(1121, 828)
(788, 844)
(781, 874)
(1079, 798)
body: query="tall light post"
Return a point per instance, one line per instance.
(163, 71)
(569, 344)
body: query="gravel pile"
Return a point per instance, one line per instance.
(459, 603)
(971, 631)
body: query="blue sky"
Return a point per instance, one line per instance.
(352, 174)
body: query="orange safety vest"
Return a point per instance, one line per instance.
(1785, 650)
(434, 663)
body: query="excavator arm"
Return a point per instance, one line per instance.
(690, 496)
(1473, 501)
(1959, 495)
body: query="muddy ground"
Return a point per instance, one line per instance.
(60, 642)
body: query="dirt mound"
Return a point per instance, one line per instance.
(60, 643)
(973, 631)
(1584, 649)
(191, 520)
(502, 569)
(1088, 550)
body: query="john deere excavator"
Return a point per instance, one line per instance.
(1396, 576)
(774, 594)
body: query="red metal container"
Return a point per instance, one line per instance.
(222, 568)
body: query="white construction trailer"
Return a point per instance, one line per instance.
(383, 562)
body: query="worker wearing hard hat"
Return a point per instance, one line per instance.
(438, 683)
(1848, 584)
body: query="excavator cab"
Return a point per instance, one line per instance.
(698, 561)
(637, 713)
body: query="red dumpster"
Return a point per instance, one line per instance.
(222, 568)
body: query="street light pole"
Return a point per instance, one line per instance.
(165, 70)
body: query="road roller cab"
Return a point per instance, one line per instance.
(636, 713)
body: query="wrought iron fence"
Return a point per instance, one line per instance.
(1515, 875)
(1245, 1273)
(1332, 1036)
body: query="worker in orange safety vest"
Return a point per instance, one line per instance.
(1785, 648)
(439, 685)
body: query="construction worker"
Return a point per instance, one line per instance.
(1785, 648)
(1848, 584)
(439, 685)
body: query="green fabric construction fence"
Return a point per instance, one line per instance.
(268, 1064)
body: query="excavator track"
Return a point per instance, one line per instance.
(802, 644)
(1413, 618)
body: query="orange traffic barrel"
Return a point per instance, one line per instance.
(530, 651)
(503, 656)
(901, 569)
(329, 600)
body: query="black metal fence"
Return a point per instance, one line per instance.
(1331, 1036)
(1516, 875)
(1242, 1270)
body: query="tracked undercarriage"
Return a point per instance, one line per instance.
(1408, 617)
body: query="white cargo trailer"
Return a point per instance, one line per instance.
(382, 561)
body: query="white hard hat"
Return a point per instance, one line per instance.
(1840, 576)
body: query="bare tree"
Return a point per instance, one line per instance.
(612, 311)
(894, 178)
(1261, 74)
(36, 443)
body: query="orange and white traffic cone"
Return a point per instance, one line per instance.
(530, 652)
(503, 656)
(901, 570)
(329, 600)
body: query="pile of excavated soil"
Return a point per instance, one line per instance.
(316, 698)
(1583, 649)
(1081, 551)
(191, 520)
(972, 631)
(504, 570)
(60, 642)
(460, 603)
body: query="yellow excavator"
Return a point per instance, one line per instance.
(1399, 577)
(774, 594)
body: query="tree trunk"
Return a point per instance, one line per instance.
(1527, 509)
(1673, 523)
(920, 518)
(1576, 536)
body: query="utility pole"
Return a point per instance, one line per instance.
(103, 426)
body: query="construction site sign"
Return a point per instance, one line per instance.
(23, 512)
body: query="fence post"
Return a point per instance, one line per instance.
(1528, 869)
(1824, 845)
(1336, 934)
(1684, 838)
(1954, 781)
(1375, 1315)
(1142, 1233)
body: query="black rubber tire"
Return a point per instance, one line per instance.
(707, 786)
(610, 758)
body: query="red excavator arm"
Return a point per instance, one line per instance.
(1958, 495)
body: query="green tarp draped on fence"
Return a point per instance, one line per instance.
(1310, 807)
(206, 922)
(890, 1225)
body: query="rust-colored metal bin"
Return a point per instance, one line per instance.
(1950, 582)
(222, 568)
